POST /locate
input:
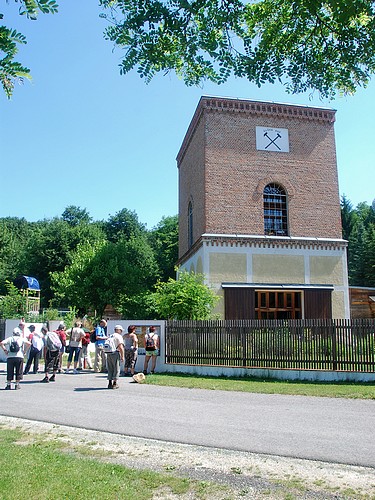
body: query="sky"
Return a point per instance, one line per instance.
(82, 134)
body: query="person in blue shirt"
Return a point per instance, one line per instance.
(100, 363)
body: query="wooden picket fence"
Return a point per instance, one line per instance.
(338, 345)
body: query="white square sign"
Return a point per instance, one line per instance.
(272, 139)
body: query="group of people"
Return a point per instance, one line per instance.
(111, 351)
(122, 347)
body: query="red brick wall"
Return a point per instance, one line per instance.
(191, 188)
(221, 169)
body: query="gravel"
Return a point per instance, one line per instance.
(244, 474)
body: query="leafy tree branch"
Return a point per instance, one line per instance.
(12, 71)
(311, 44)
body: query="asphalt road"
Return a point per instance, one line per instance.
(332, 430)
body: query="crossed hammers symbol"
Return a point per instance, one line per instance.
(273, 141)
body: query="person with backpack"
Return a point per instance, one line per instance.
(114, 349)
(99, 337)
(62, 335)
(15, 348)
(35, 351)
(84, 357)
(75, 346)
(52, 346)
(152, 349)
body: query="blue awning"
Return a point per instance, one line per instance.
(27, 283)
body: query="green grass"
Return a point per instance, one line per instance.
(45, 469)
(319, 389)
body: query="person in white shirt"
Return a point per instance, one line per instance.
(75, 346)
(15, 348)
(115, 356)
(35, 351)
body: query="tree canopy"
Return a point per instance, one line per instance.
(310, 44)
(324, 45)
(89, 264)
(185, 298)
(359, 229)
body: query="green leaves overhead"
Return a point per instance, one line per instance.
(327, 46)
(12, 71)
(310, 44)
(30, 8)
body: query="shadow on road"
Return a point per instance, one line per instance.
(87, 389)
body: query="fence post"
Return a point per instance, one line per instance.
(244, 345)
(334, 346)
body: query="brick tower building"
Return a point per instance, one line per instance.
(259, 209)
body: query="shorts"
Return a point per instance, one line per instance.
(152, 353)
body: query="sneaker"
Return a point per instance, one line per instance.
(45, 380)
(75, 371)
(115, 386)
(110, 386)
(52, 379)
(152, 372)
(67, 370)
(17, 386)
(144, 372)
(8, 387)
(25, 373)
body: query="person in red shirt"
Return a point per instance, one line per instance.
(84, 355)
(62, 335)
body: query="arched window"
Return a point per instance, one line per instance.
(275, 210)
(190, 224)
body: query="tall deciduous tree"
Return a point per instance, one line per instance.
(49, 246)
(106, 273)
(185, 298)
(328, 45)
(14, 235)
(74, 215)
(13, 304)
(124, 224)
(164, 241)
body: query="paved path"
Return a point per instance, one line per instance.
(332, 430)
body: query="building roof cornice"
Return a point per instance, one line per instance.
(263, 241)
(251, 107)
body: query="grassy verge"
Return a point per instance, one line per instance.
(53, 465)
(318, 389)
(44, 469)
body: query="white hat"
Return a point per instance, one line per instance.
(16, 331)
(119, 327)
